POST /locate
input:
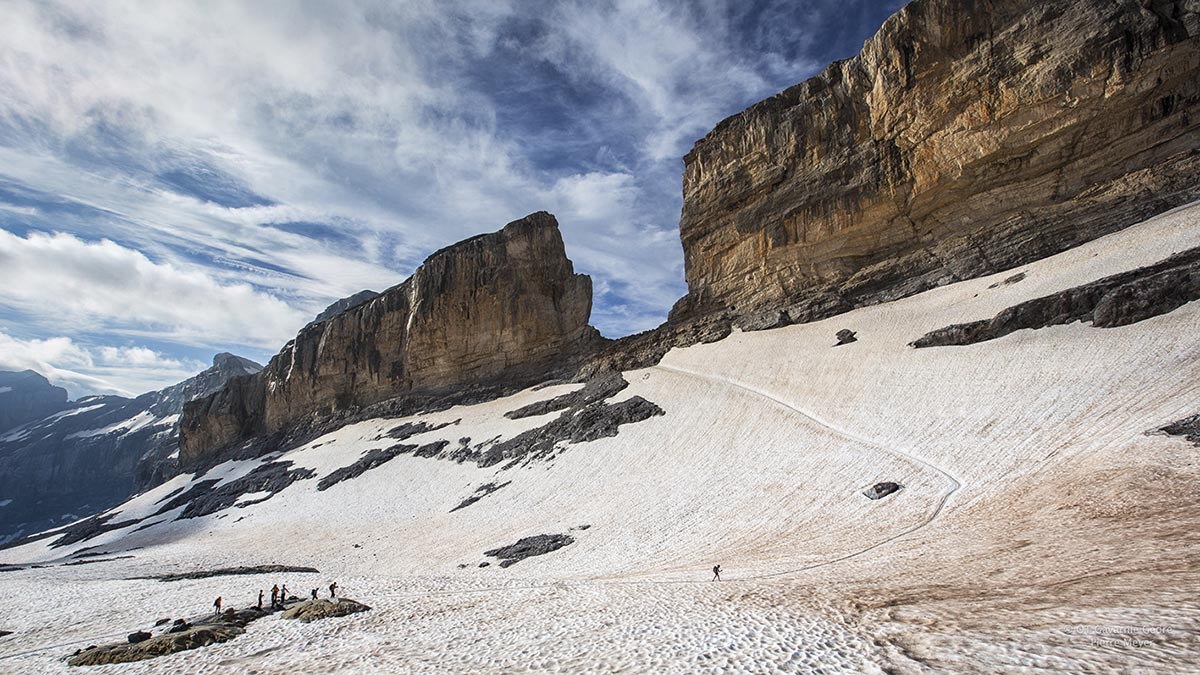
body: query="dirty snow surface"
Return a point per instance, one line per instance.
(1040, 528)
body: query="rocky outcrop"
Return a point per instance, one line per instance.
(26, 396)
(1117, 300)
(529, 547)
(95, 452)
(505, 307)
(161, 645)
(968, 137)
(315, 610)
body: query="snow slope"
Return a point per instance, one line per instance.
(1040, 528)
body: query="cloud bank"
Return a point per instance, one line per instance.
(213, 174)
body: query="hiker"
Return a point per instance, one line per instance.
(314, 594)
(333, 590)
(716, 573)
(275, 595)
(217, 605)
(283, 596)
(260, 594)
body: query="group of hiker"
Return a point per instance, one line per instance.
(279, 595)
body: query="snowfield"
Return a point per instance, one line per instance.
(1040, 528)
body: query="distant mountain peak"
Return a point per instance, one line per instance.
(345, 304)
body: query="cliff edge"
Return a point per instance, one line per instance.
(968, 137)
(500, 307)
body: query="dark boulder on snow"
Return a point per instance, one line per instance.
(138, 636)
(881, 490)
(845, 336)
(529, 547)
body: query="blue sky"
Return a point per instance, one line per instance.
(181, 178)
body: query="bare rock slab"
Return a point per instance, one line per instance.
(528, 547)
(170, 643)
(315, 610)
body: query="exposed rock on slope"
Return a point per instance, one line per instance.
(27, 396)
(968, 137)
(97, 451)
(502, 307)
(1118, 300)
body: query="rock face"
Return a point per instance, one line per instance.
(501, 307)
(26, 396)
(94, 453)
(968, 137)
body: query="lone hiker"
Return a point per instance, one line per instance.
(314, 594)
(217, 605)
(716, 573)
(260, 594)
(333, 590)
(275, 595)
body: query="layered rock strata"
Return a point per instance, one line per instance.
(968, 137)
(501, 307)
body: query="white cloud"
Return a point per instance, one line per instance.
(363, 114)
(82, 370)
(71, 283)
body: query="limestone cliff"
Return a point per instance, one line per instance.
(969, 136)
(505, 306)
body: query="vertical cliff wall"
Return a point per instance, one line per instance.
(969, 136)
(502, 306)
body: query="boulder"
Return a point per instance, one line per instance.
(845, 336)
(169, 643)
(315, 610)
(881, 490)
(138, 636)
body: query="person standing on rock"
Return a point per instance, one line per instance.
(275, 595)
(217, 605)
(314, 594)
(716, 573)
(333, 590)
(260, 596)
(283, 596)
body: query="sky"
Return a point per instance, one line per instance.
(183, 178)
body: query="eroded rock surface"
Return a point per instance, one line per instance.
(528, 547)
(502, 307)
(234, 571)
(377, 457)
(161, 645)
(968, 137)
(315, 610)
(1188, 427)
